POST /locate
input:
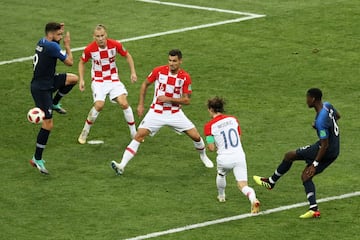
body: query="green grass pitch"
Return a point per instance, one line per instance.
(262, 67)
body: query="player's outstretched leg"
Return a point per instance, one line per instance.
(129, 153)
(283, 167)
(90, 120)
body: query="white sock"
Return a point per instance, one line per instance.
(249, 192)
(91, 118)
(200, 146)
(221, 184)
(129, 117)
(129, 153)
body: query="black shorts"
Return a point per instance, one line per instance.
(43, 97)
(309, 152)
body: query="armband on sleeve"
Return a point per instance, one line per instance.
(210, 139)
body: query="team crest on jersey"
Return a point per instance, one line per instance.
(113, 53)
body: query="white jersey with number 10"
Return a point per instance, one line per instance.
(226, 132)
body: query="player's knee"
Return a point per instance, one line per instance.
(99, 106)
(141, 134)
(290, 156)
(72, 79)
(123, 103)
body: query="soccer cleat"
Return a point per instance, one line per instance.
(119, 170)
(58, 108)
(39, 164)
(255, 206)
(83, 136)
(207, 162)
(221, 198)
(264, 182)
(311, 214)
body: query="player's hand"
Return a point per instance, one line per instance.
(308, 173)
(140, 110)
(67, 39)
(133, 77)
(82, 85)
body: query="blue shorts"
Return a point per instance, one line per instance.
(43, 98)
(309, 152)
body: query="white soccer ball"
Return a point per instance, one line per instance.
(35, 115)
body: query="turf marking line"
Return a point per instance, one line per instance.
(246, 16)
(242, 216)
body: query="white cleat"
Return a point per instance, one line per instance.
(207, 162)
(221, 198)
(83, 136)
(117, 168)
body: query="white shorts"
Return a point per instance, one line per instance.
(237, 163)
(102, 89)
(154, 121)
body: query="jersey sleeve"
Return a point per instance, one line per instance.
(120, 49)
(238, 128)
(55, 51)
(187, 84)
(321, 126)
(207, 129)
(153, 75)
(86, 55)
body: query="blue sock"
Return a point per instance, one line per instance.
(62, 92)
(42, 139)
(310, 194)
(281, 170)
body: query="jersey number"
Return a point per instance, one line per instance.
(231, 137)
(35, 60)
(336, 127)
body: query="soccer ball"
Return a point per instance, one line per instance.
(35, 115)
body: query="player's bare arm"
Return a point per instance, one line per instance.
(143, 90)
(69, 59)
(130, 61)
(81, 69)
(337, 115)
(184, 100)
(211, 147)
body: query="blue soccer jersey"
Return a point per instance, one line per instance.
(327, 128)
(46, 55)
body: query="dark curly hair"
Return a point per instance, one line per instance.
(216, 104)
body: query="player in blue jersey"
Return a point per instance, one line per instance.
(46, 81)
(317, 156)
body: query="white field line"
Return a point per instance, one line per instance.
(238, 217)
(200, 7)
(246, 16)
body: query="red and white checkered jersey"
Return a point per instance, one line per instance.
(103, 60)
(226, 132)
(167, 84)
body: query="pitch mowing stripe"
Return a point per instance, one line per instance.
(248, 16)
(242, 216)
